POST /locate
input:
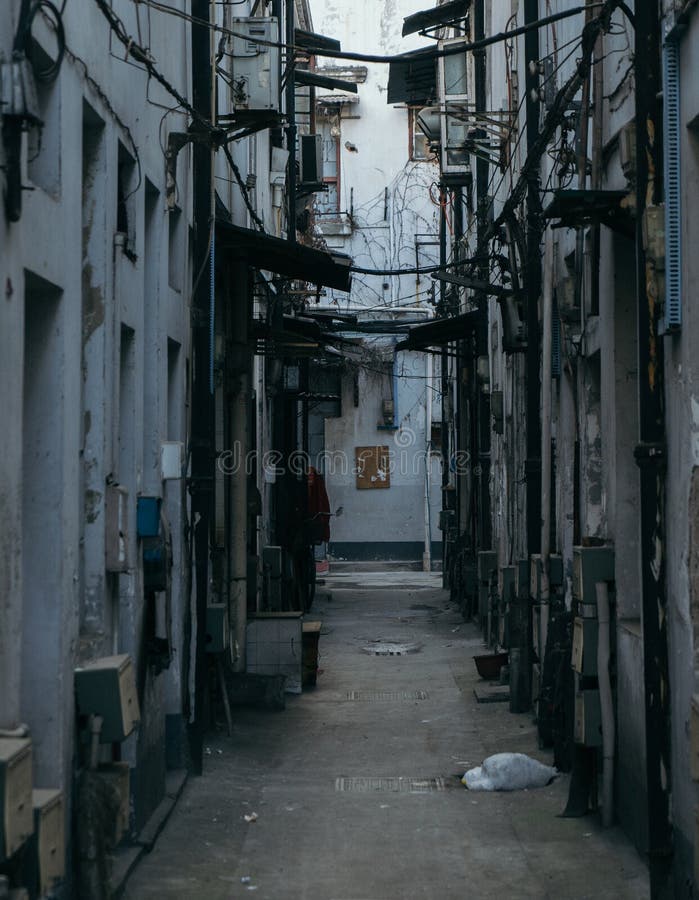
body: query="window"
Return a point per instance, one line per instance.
(127, 182)
(328, 203)
(419, 145)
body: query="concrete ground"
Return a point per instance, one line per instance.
(356, 784)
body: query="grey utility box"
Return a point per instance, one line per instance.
(591, 565)
(588, 719)
(16, 817)
(487, 564)
(522, 579)
(536, 571)
(216, 627)
(274, 646)
(584, 654)
(107, 687)
(49, 839)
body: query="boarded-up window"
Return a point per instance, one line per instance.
(372, 467)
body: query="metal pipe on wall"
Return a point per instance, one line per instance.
(650, 455)
(240, 393)
(546, 410)
(606, 702)
(427, 553)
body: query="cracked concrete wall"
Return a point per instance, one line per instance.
(682, 420)
(68, 290)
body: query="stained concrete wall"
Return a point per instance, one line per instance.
(387, 220)
(86, 408)
(682, 419)
(382, 523)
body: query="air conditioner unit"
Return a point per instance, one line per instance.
(255, 65)
(311, 159)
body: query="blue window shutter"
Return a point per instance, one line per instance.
(673, 189)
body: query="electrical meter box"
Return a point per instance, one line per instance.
(590, 565)
(694, 738)
(487, 564)
(255, 65)
(522, 579)
(584, 655)
(116, 532)
(588, 719)
(506, 589)
(555, 573)
(107, 687)
(49, 841)
(16, 817)
(506, 583)
(216, 627)
(274, 642)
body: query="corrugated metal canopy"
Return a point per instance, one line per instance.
(272, 254)
(439, 15)
(440, 331)
(413, 79)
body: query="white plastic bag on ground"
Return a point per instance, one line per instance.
(508, 772)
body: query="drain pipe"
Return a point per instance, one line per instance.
(427, 555)
(606, 704)
(546, 405)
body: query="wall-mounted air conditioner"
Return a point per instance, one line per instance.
(254, 63)
(311, 159)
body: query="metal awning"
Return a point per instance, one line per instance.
(303, 76)
(310, 41)
(464, 281)
(440, 331)
(439, 15)
(273, 254)
(590, 207)
(413, 79)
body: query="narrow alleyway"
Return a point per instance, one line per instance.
(356, 785)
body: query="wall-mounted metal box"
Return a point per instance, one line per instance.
(216, 627)
(254, 61)
(590, 565)
(447, 518)
(118, 775)
(171, 460)
(49, 844)
(588, 719)
(272, 576)
(274, 646)
(487, 564)
(506, 590)
(555, 573)
(522, 579)
(116, 532)
(694, 738)
(107, 687)
(148, 516)
(16, 817)
(584, 655)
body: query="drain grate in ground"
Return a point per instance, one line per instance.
(374, 696)
(391, 648)
(391, 785)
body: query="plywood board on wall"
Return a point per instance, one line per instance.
(372, 467)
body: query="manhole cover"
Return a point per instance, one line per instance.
(371, 696)
(391, 648)
(398, 785)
